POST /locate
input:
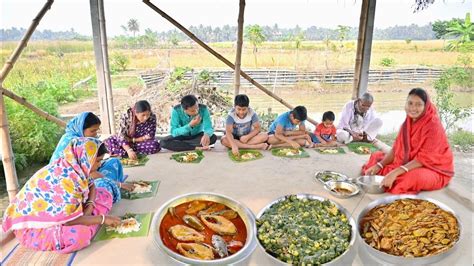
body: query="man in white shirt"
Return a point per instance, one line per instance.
(358, 121)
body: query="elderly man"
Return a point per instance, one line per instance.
(358, 121)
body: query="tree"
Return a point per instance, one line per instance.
(133, 26)
(342, 34)
(254, 34)
(464, 32)
(439, 27)
(298, 39)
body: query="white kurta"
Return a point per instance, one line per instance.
(369, 123)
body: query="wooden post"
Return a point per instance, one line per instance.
(104, 87)
(364, 47)
(238, 55)
(8, 158)
(220, 57)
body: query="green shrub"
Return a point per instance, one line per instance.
(464, 140)
(118, 62)
(387, 62)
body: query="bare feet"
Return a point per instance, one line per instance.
(205, 148)
(264, 146)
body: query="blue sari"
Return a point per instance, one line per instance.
(111, 169)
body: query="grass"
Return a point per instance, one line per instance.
(313, 55)
(462, 140)
(459, 140)
(119, 82)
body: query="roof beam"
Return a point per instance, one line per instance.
(220, 57)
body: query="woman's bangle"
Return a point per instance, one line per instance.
(120, 185)
(133, 140)
(129, 149)
(380, 165)
(103, 219)
(404, 168)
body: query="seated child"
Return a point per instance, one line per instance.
(325, 132)
(282, 131)
(243, 127)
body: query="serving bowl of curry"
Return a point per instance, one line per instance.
(409, 230)
(204, 229)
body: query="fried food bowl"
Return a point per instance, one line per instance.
(346, 257)
(341, 189)
(402, 259)
(243, 213)
(371, 184)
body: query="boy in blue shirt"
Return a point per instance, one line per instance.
(243, 127)
(191, 127)
(282, 131)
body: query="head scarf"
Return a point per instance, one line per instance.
(425, 141)
(128, 123)
(74, 129)
(54, 195)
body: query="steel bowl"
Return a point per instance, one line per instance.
(339, 177)
(330, 186)
(345, 258)
(371, 184)
(399, 260)
(245, 213)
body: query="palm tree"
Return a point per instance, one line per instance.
(463, 31)
(133, 26)
(254, 33)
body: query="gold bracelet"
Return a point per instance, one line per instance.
(103, 219)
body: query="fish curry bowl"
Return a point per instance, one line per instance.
(408, 230)
(204, 229)
(306, 229)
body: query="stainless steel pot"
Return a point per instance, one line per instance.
(399, 260)
(345, 258)
(246, 215)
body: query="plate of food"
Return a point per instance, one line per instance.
(245, 155)
(128, 162)
(131, 225)
(326, 176)
(361, 148)
(330, 150)
(188, 157)
(141, 189)
(290, 152)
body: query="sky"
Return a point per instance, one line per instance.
(67, 14)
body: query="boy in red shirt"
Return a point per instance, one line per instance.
(325, 132)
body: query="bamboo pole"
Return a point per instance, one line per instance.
(38, 111)
(7, 155)
(105, 54)
(8, 158)
(220, 57)
(238, 56)
(360, 48)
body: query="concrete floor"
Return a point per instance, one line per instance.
(254, 184)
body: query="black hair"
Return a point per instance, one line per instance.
(241, 100)
(188, 101)
(91, 119)
(329, 115)
(102, 150)
(299, 113)
(420, 93)
(142, 106)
